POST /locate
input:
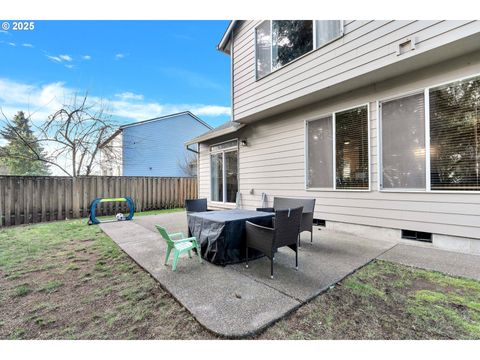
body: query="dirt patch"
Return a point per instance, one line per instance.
(88, 289)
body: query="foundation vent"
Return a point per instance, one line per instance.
(319, 222)
(417, 235)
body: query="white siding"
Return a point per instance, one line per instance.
(273, 162)
(365, 47)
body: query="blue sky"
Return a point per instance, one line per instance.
(142, 69)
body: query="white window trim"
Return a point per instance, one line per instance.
(224, 172)
(314, 29)
(334, 188)
(426, 91)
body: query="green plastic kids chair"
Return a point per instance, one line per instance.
(178, 246)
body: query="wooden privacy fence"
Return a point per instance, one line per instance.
(32, 199)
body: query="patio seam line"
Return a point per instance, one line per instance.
(268, 285)
(384, 252)
(321, 290)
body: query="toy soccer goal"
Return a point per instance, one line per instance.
(92, 219)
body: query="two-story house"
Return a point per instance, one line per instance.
(153, 147)
(377, 120)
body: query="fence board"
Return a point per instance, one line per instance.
(35, 199)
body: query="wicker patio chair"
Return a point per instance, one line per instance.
(280, 203)
(268, 240)
(196, 205)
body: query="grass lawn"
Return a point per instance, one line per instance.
(67, 280)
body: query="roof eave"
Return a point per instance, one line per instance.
(223, 44)
(110, 138)
(213, 135)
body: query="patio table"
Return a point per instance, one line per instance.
(221, 234)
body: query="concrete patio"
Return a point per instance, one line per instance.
(234, 301)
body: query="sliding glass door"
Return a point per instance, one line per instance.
(224, 171)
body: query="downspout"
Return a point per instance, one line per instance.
(198, 165)
(192, 150)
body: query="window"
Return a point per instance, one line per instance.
(453, 154)
(263, 49)
(403, 143)
(279, 42)
(455, 136)
(338, 154)
(326, 31)
(351, 148)
(224, 171)
(291, 39)
(320, 153)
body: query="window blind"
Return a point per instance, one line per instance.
(351, 148)
(455, 136)
(403, 143)
(320, 153)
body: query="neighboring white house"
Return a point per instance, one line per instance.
(111, 155)
(377, 120)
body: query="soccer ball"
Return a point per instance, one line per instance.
(120, 217)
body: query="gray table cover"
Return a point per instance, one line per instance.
(221, 234)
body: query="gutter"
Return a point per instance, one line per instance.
(226, 37)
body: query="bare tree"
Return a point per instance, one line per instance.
(188, 164)
(73, 134)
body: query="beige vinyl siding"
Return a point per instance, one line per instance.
(204, 171)
(274, 163)
(365, 46)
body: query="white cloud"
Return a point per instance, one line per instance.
(12, 44)
(41, 100)
(69, 66)
(54, 58)
(86, 57)
(119, 56)
(60, 58)
(27, 45)
(65, 57)
(129, 96)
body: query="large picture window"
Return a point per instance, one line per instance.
(455, 136)
(224, 171)
(403, 143)
(338, 151)
(451, 149)
(279, 42)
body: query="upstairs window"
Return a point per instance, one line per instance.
(279, 42)
(291, 39)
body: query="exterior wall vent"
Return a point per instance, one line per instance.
(319, 222)
(406, 45)
(417, 235)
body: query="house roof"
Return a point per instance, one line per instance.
(226, 128)
(137, 123)
(222, 45)
(143, 122)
